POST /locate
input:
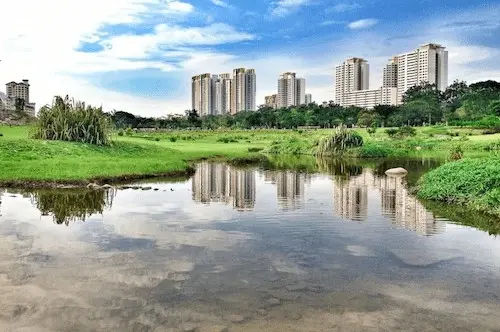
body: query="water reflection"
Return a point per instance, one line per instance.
(215, 182)
(190, 256)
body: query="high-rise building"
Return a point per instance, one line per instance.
(391, 74)
(243, 90)
(308, 98)
(352, 75)
(271, 101)
(291, 90)
(17, 92)
(427, 64)
(201, 94)
(221, 94)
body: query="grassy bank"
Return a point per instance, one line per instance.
(471, 182)
(137, 154)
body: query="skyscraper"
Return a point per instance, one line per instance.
(428, 63)
(391, 74)
(352, 75)
(201, 94)
(309, 98)
(243, 90)
(291, 90)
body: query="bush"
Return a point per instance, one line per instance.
(341, 140)
(371, 130)
(129, 132)
(173, 139)
(401, 132)
(227, 140)
(373, 151)
(255, 149)
(456, 153)
(121, 132)
(1, 135)
(67, 120)
(157, 139)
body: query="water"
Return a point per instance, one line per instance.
(340, 248)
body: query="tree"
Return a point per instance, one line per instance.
(19, 104)
(494, 107)
(193, 118)
(422, 91)
(384, 111)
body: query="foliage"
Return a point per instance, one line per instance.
(67, 120)
(341, 140)
(456, 153)
(473, 182)
(401, 132)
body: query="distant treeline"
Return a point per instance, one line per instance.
(461, 104)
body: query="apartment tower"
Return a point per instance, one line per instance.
(243, 90)
(352, 75)
(291, 90)
(201, 94)
(428, 63)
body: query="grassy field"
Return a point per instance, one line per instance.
(26, 159)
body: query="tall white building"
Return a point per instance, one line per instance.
(390, 79)
(291, 90)
(15, 92)
(201, 94)
(243, 90)
(428, 63)
(352, 75)
(221, 94)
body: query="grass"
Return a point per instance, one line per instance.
(25, 159)
(471, 182)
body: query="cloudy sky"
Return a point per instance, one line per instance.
(139, 55)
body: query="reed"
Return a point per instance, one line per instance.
(341, 140)
(67, 120)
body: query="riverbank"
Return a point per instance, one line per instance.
(474, 183)
(25, 161)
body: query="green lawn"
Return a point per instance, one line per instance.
(26, 159)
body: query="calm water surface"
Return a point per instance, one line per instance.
(231, 249)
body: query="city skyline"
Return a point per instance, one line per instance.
(139, 55)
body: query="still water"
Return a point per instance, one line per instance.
(342, 247)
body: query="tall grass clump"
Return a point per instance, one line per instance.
(67, 120)
(341, 140)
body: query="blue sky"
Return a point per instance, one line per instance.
(139, 55)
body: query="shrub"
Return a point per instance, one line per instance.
(67, 120)
(255, 149)
(226, 140)
(341, 140)
(129, 132)
(373, 151)
(371, 130)
(173, 139)
(401, 132)
(456, 153)
(157, 139)
(1, 135)
(121, 132)
(391, 132)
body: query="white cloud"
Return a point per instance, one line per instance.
(362, 24)
(284, 7)
(220, 3)
(178, 7)
(344, 7)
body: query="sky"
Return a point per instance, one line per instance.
(139, 55)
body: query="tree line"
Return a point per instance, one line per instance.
(459, 104)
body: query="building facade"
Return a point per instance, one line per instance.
(352, 75)
(271, 101)
(221, 94)
(17, 96)
(308, 98)
(426, 64)
(291, 90)
(390, 79)
(371, 98)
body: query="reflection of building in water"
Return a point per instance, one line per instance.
(351, 202)
(404, 209)
(289, 187)
(221, 183)
(350, 196)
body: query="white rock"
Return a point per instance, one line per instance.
(396, 171)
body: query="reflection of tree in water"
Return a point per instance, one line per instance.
(338, 167)
(66, 205)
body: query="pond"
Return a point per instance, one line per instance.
(292, 245)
